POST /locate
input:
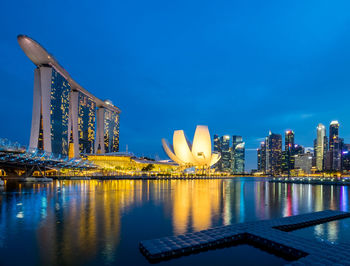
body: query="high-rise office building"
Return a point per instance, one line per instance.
(298, 149)
(320, 147)
(304, 162)
(64, 112)
(285, 162)
(289, 151)
(273, 154)
(262, 157)
(238, 154)
(217, 146)
(289, 140)
(334, 146)
(226, 154)
(346, 157)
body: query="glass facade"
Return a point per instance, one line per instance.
(273, 154)
(111, 131)
(65, 110)
(238, 154)
(262, 157)
(86, 123)
(334, 146)
(226, 155)
(290, 151)
(320, 147)
(217, 146)
(59, 113)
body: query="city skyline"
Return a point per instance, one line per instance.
(330, 153)
(256, 63)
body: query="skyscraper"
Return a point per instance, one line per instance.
(288, 160)
(273, 154)
(298, 149)
(346, 157)
(238, 154)
(262, 157)
(334, 146)
(217, 146)
(226, 156)
(108, 141)
(289, 140)
(86, 123)
(320, 147)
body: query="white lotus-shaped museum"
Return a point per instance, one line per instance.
(197, 155)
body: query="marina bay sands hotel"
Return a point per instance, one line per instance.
(67, 119)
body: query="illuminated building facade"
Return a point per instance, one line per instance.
(320, 147)
(273, 154)
(289, 151)
(64, 112)
(262, 157)
(289, 141)
(334, 146)
(217, 144)
(238, 155)
(304, 162)
(86, 123)
(226, 154)
(129, 164)
(111, 131)
(346, 157)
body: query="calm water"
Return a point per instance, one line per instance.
(334, 232)
(101, 222)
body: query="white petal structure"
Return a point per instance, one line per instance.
(168, 149)
(201, 148)
(198, 154)
(181, 147)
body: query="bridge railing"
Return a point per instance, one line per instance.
(7, 145)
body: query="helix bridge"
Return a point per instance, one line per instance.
(17, 160)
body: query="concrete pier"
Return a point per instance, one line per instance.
(271, 235)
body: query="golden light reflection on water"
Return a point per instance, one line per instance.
(92, 215)
(194, 203)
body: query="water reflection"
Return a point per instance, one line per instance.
(90, 222)
(195, 204)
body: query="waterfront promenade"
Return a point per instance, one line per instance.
(345, 181)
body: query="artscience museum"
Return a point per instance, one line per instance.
(197, 154)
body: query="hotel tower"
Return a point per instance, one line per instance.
(66, 118)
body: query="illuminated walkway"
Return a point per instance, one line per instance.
(271, 235)
(344, 181)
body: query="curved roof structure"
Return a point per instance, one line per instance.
(198, 154)
(40, 57)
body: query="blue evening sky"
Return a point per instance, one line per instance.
(240, 67)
